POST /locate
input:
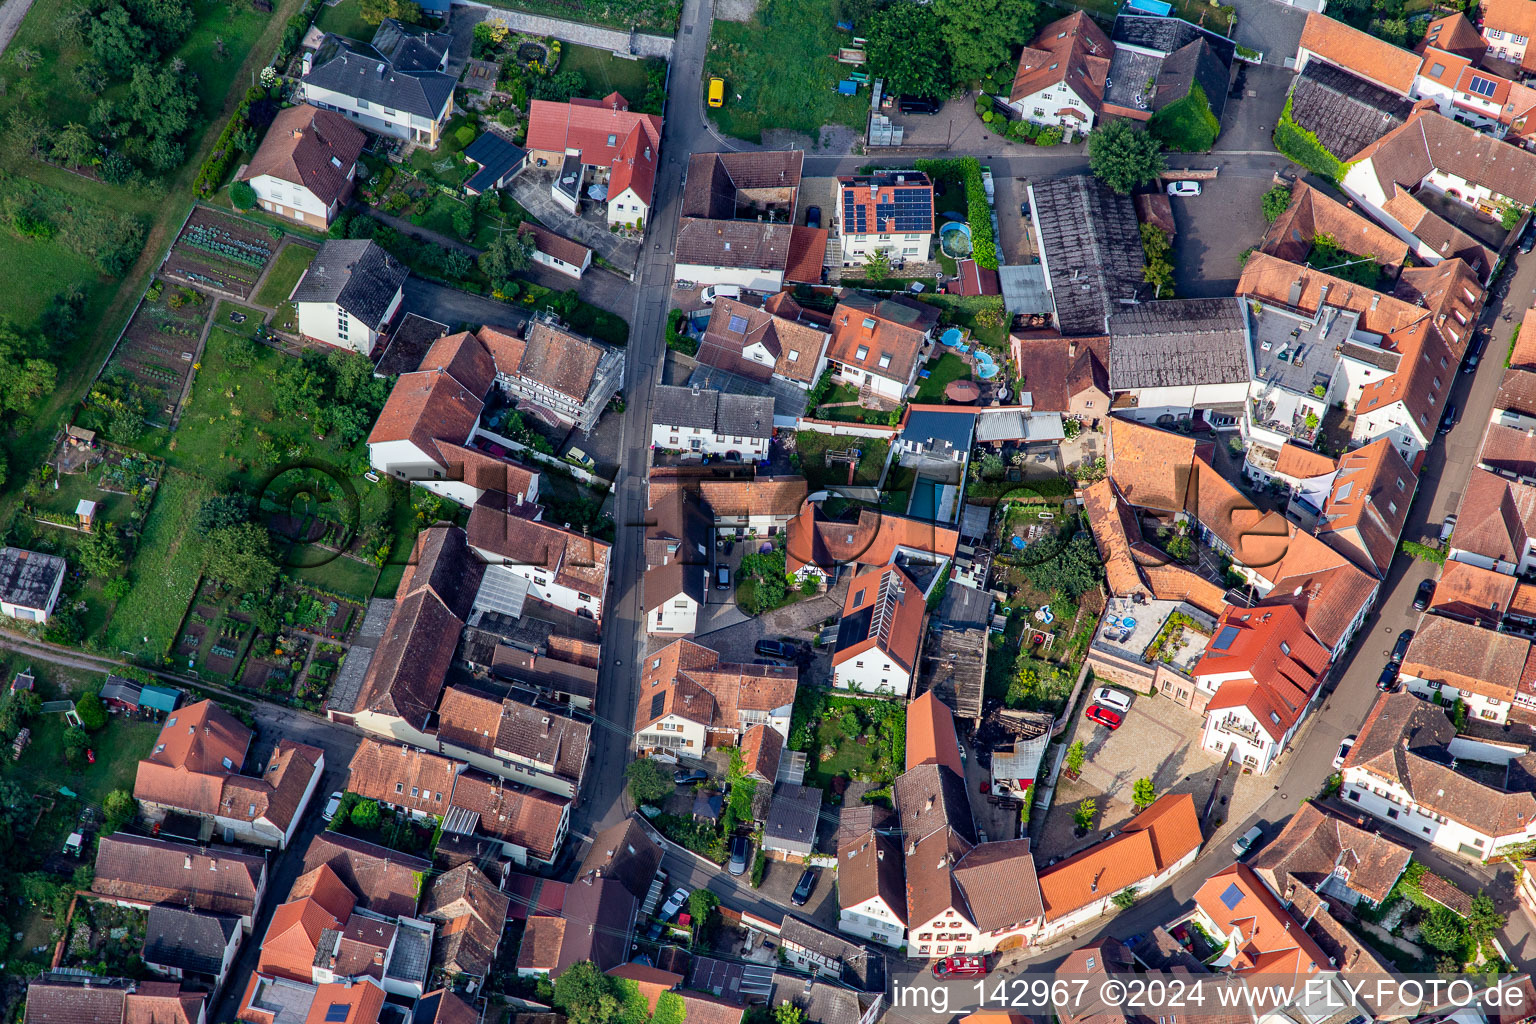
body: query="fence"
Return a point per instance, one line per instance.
(847, 429)
(523, 451)
(625, 44)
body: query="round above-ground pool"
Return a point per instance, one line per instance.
(951, 337)
(955, 240)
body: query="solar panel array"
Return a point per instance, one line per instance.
(1482, 86)
(853, 214)
(911, 209)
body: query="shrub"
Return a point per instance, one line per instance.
(1302, 146)
(211, 174)
(1187, 124)
(464, 135)
(93, 715)
(242, 195)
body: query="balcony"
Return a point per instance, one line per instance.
(1233, 727)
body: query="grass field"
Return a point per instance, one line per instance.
(285, 273)
(345, 576)
(165, 573)
(247, 329)
(31, 271)
(941, 371)
(812, 447)
(780, 72)
(605, 72)
(346, 19)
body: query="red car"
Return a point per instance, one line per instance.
(959, 966)
(1109, 718)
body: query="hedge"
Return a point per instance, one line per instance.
(1302, 146)
(978, 213)
(1187, 125)
(293, 31)
(211, 175)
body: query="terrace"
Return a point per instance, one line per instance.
(1296, 361)
(1141, 632)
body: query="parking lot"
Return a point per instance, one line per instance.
(1213, 230)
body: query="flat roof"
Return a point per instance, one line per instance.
(1296, 352)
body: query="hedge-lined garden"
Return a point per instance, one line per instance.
(978, 212)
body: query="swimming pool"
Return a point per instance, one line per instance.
(955, 240)
(925, 500)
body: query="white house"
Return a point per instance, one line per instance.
(691, 701)
(1507, 27)
(1264, 670)
(560, 566)
(306, 165)
(179, 941)
(870, 892)
(779, 341)
(606, 137)
(1401, 770)
(878, 344)
(395, 87)
(674, 595)
(879, 634)
(29, 583)
(1496, 524)
(890, 211)
(349, 294)
(555, 252)
(703, 421)
(1450, 660)
(1063, 73)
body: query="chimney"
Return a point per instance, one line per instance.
(929, 806)
(1322, 297)
(298, 133)
(879, 854)
(1375, 301)
(188, 863)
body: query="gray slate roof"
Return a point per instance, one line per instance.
(411, 49)
(949, 431)
(1345, 112)
(27, 577)
(364, 73)
(190, 940)
(1092, 250)
(357, 275)
(1165, 35)
(722, 413)
(1178, 343)
(792, 816)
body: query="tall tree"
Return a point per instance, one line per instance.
(509, 253)
(375, 11)
(1123, 157)
(906, 48)
(979, 33)
(73, 145)
(586, 994)
(241, 556)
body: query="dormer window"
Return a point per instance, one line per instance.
(613, 140)
(862, 354)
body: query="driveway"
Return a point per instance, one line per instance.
(1012, 229)
(1213, 230)
(452, 307)
(531, 189)
(1254, 102)
(1270, 26)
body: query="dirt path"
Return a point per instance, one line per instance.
(11, 13)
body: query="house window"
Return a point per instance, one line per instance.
(885, 238)
(414, 792)
(885, 360)
(613, 140)
(794, 356)
(388, 112)
(399, 787)
(1354, 795)
(584, 597)
(1039, 111)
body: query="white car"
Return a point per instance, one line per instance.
(332, 806)
(1117, 699)
(1448, 527)
(1338, 759)
(720, 291)
(1183, 188)
(1246, 840)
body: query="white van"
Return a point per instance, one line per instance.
(720, 291)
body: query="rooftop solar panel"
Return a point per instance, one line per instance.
(738, 325)
(336, 1012)
(1482, 86)
(1232, 896)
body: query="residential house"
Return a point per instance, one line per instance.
(530, 824)
(822, 1002)
(183, 943)
(1261, 937)
(737, 223)
(828, 955)
(740, 501)
(142, 871)
(405, 677)
(1332, 855)
(1172, 359)
(471, 914)
(555, 374)
(1345, 110)
(1402, 771)
(1312, 217)
(555, 251)
(762, 747)
(677, 560)
(937, 440)
(384, 881)
(29, 583)
(596, 923)
(1388, 66)
(700, 420)
(889, 211)
(429, 433)
(870, 889)
(1063, 375)
(1160, 61)
(1090, 250)
(497, 160)
(1062, 74)
(817, 546)
(931, 737)
(878, 345)
(280, 1000)
(306, 165)
(349, 294)
(1264, 673)
(549, 563)
(1507, 27)
(1450, 661)
(1496, 524)
(691, 701)
(561, 670)
(779, 341)
(1147, 851)
(879, 634)
(629, 853)
(650, 982)
(536, 743)
(603, 138)
(400, 778)
(395, 87)
(1482, 597)
(1367, 503)
(789, 831)
(67, 999)
(194, 770)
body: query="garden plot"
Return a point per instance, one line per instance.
(158, 349)
(219, 253)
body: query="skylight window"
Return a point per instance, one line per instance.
(738, 325)
(862, 354)
(1482, 86)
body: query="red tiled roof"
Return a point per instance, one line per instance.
(606, 134)
(1367, 505)
(811, 540)
(1367, 56)
(865, 338)
(695, 684)
(904, 616)
(1071, 51)
(931, 733)
(311, 147)
(1467, 657)
(1147, 845)
(1272, 942)
(1280, 666)
(807, 255)
(1466, 591)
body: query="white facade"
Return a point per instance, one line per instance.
(1052, 929)
(1057, 104)
(1480, 706)
(950, 933)
(702, 439)
(901, 245)
(1391, 803)
(677, 615)
(379, 119)
(294, 201)
(873, 672)
(328, 322)
(874, 920)
(28, 613)
(1183, 400)
(1361, 183)
(556, 263)
(404, 460)
(888, 388)
(675, 734)
(756, 279)
(1239, 726)
(1526, 564)
(1505, 45)
(627, 208)
(1394, 421)
(545, 587)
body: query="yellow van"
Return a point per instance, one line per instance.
(716, 91)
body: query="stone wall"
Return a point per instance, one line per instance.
(615, 40)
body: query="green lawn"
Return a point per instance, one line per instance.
(346, 19)
(285, 273)
(812, 447)
(165, 573)
(941, 371)
(389, 580)
(32, 271)
(655, 16)
(253, 318)
(605, 72)
(345, 576)
(780, 71)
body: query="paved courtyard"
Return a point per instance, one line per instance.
(531, 189)
(1213, 230)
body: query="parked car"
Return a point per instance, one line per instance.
(1184, 188)
(1422, 596)
(688, 776)
(959, 966)
(1400, 648)
(720, 291)
(722, 577)
(332, 806)
(1469, 364)
(1387, 681)
(813, 216)
(581, 459)
(804, 888)
(741, 852)
(1024, 210)
(1109, 718)
(1338, 759)
(716, 91)
(778, 648)
(1448, 527)
(1117, 699)
(668, 909)
(1449, 419)
(1246, 841)
(919, 105)
(1528, 240)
